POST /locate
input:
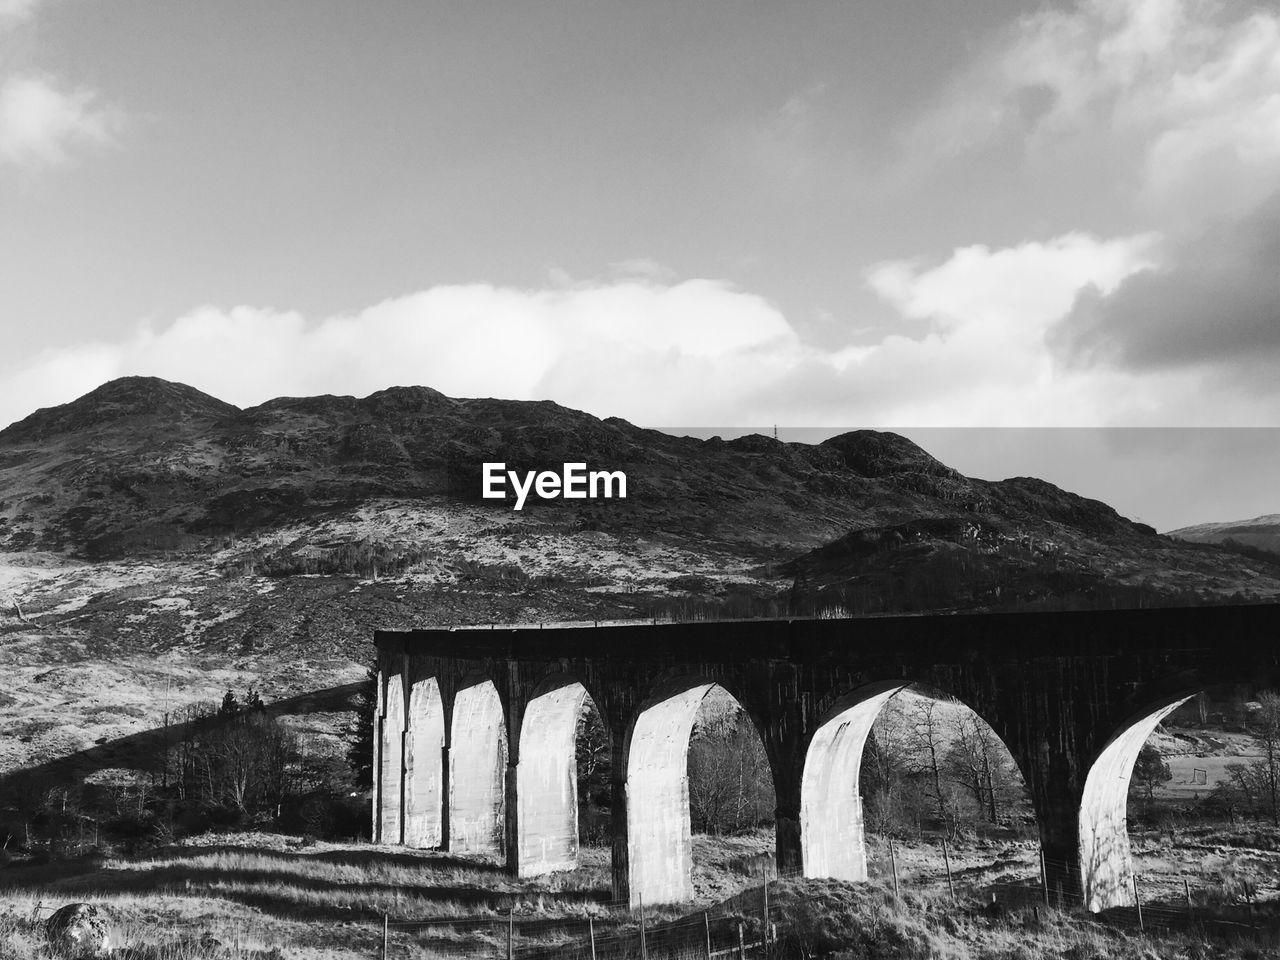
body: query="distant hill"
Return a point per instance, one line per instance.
(1261, 532)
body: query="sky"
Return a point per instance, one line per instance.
(819, 214)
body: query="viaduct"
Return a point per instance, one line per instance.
(475, 728)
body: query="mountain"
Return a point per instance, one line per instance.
(130, 399)
(159, 546)
(1261, 532)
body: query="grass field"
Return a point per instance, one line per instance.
(261, 897)
(256, 893)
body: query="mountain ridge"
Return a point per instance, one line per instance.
(104, 474)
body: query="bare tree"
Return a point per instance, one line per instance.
(237, 756)
(1268, 766)
(730, 784)
(980, 765)
(889, 797)
(928, 730)
(594, 759)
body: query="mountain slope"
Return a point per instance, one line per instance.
(1261, 532)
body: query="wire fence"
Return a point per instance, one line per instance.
(729, 929)
(750, 923)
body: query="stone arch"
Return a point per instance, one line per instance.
(659, 834)
(477, 769)
(832, 840)
(1106, 861)
(391, 727)
(424, 807)
(832, 833)
(547, 777)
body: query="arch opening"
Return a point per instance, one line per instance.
(900, 760)
(1106, 858)
(659, 822)
(730, 778)
(547, 779)
(477, 771)
(424, 766)
(391, 763)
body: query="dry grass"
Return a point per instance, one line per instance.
(253, 897)
(254, 894)
(866, 922)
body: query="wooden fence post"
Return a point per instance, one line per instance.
(946, 858)
(1044, 878)
(386, 931)
(591, 932)
(706, 926)
(742, 944)
(893, 865)
(644, 947)
(1138, 900)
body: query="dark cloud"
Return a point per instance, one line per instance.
(1216, 301)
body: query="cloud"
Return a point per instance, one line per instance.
(16, 11)
(781, 146)
(43, 119)
(40, 122)
(693, 353)
(1159, 113)
(1012, 292)
(1178, 100)
(984, 359)
(630, 348)
(643, 268)
(1215, 304)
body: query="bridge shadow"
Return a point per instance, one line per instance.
(140, 751)
(295, 885)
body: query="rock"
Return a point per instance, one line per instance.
(78, 931)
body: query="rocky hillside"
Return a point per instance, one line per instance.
(143, 467)
(158, 545)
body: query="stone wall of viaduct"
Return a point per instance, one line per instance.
(475, 728)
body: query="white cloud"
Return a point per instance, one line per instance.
(40, 123)
(985, 359)
(1180, 98)
(697, 340)
(1014, 292)
(696, 353)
